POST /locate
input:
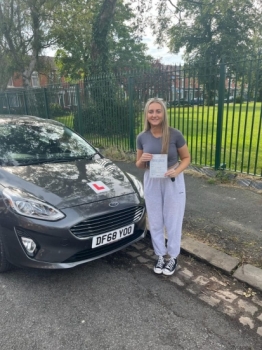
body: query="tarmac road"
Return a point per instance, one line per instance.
(225, 217)
(116, 303)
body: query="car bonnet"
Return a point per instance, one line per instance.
(69, 184)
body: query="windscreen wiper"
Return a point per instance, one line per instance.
(53, 160)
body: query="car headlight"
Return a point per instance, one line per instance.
(137, 184)
(26, 205)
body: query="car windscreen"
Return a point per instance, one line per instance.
(23, 143)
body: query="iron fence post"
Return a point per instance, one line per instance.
(25, 103)
(131, 112)
(79, 109)
(221, 93)
(8, 104)
(46, 103)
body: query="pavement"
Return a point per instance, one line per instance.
(223, 221)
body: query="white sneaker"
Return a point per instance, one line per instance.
(170, 267)
(160, 264)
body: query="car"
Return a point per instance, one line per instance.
(178, 103)
(229, 99)
(62, 203)
(197, 101)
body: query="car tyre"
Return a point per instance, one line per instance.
(4, 263)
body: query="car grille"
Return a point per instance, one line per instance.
(108, 222)
(105, 249)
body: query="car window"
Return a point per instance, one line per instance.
(22, 142)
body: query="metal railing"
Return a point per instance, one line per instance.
(217, 107)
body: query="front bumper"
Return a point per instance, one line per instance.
(57, 246)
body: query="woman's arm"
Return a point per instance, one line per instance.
(184, 156)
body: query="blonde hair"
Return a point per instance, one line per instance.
(165, 126)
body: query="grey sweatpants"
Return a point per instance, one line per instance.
(165, 203)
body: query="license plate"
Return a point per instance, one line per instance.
(112, 236)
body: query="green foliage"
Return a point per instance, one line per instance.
(118, 154)
(99, 44)
(223, 176)
(6, 68)
(239, 99)
(208, 29)
(103, 119)
(218, 31)
(106, 109)
(25, 32)
(67, 119)
(211, 181)
(209, 32)
(56, 110)
(86, 47)
(36, 103)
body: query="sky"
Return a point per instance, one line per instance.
(158, 53)
(161, 53)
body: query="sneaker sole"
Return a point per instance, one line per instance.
(168, 273)
(158, 271)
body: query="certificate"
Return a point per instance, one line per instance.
(158, 165)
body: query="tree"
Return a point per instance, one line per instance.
(97, 36)
(99, 43)
(209, 32)
(24, 32)
(207, 29)
(6, 68)
(73, 32)
(126, 50)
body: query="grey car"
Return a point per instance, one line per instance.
(61, 202)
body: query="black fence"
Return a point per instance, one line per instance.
(217, 107)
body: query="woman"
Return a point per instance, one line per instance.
(165, 196)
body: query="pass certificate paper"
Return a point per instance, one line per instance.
(158, 165)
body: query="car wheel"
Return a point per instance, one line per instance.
(4, 263)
